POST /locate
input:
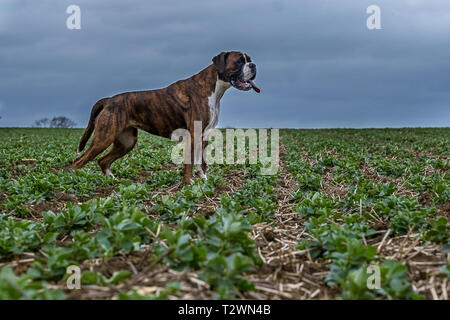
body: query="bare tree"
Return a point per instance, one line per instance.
(42, 122)
(62, 122)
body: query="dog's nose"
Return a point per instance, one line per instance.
(252, 67)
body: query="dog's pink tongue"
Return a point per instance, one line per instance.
(254, 86)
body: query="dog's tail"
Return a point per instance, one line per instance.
(96, 109)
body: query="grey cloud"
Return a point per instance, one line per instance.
(318, 65)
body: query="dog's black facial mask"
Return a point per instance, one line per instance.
(237, 69)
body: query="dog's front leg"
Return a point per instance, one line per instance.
(187, 173)
(189, 159)
(204, 165)
(200, 161)
(187, 169)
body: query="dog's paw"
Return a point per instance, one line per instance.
(109, 174)
(200, 172)
(188, 182)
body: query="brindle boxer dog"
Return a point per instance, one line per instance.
(116, 120)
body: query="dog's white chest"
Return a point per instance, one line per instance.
(214, 103)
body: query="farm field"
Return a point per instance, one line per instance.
(344, 202)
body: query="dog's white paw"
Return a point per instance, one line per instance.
(201, 172)
(109, 174)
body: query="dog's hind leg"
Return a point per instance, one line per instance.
(123, 144)
(102, 139)
(94, 150)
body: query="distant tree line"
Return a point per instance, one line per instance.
(56, 122)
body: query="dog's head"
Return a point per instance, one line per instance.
(236, 68)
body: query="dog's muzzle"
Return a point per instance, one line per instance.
(245, 81)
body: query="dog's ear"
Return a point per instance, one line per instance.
(220, 61)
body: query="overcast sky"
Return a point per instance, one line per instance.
(318, 64)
